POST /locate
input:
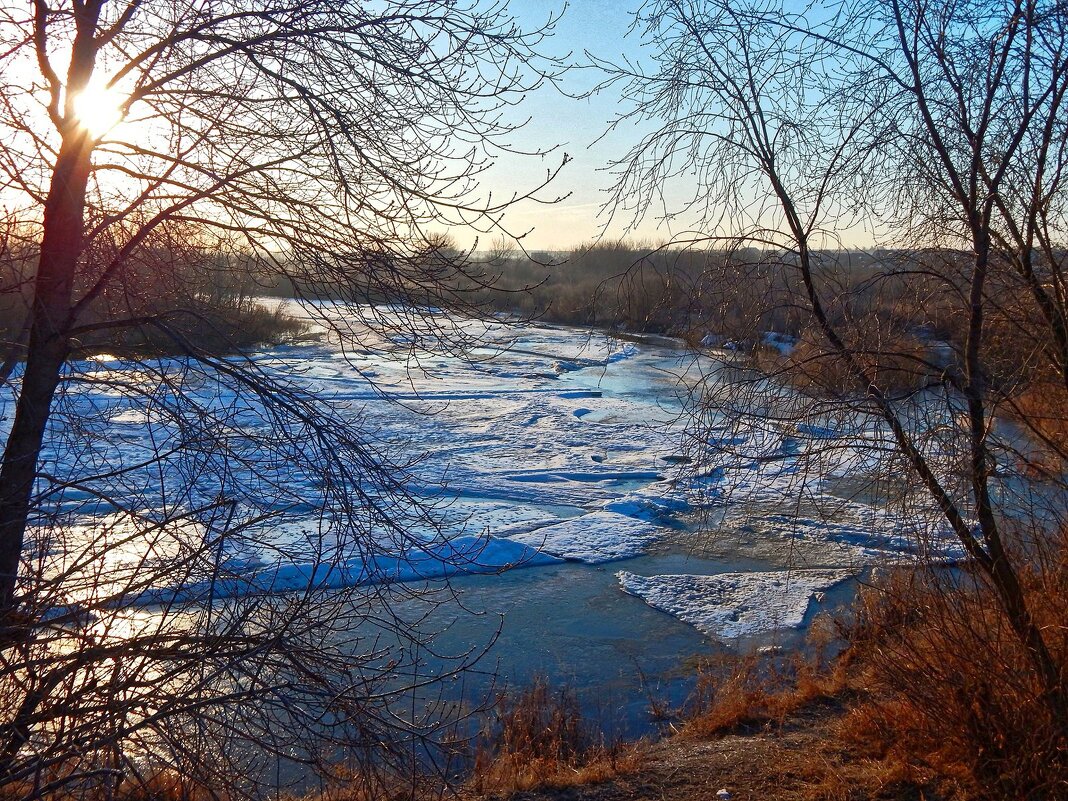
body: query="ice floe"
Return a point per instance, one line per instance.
(733, 605)
(460, 555)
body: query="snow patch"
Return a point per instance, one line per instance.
(733, 605)
(646, 505)
(781, 342)
(594, 538)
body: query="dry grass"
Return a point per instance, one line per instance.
(367, 786)
(899, 363)
(537, 738)
(1042, 408)
(738, 692)
(76, 783)
(949, 690)
(933, 697)
(167, 786)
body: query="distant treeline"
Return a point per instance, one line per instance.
(733, 295)
(163, 302)
(903, 312)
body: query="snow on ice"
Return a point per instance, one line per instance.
(541, 444)
(732, 605)
(594, 538)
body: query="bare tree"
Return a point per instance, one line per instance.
(937, 129)
(150, 152)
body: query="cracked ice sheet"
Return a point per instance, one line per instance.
(481, 517)
(523, 446)
(733, 605)
(859, 535)
(507, 442)
(459, 556)
(594, 538)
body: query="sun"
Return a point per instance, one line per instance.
(98, 109)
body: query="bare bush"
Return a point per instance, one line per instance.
(950, 691)
(538, 738)
(940, 128)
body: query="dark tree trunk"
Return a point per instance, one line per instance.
(61, 248)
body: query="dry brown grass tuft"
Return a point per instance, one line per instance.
(857, 779)
(76, 783)
(1042, 408)
(379, 786)
(166, 785)
(736, 692)
(537, 738)
(950, 691)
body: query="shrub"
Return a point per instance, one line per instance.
(1042, 408)
(538, 738)
(214, 328)
(743, 691)
(897, 360)
(950, 689)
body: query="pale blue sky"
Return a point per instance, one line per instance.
(578, 127)
(599, 26)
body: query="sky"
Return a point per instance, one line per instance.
(568, 119)
(561, 123)
(573, 126)
(579, 127)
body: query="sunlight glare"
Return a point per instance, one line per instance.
(99, 109)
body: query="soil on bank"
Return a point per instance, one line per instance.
(801, 759)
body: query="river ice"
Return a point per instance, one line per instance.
(733, 605)
(540, 444)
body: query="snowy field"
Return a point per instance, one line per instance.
(538, 447)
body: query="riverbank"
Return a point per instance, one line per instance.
(799, 759)
(924, 696)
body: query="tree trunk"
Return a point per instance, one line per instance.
(61, 247)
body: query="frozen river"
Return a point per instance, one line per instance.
(572, 508)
